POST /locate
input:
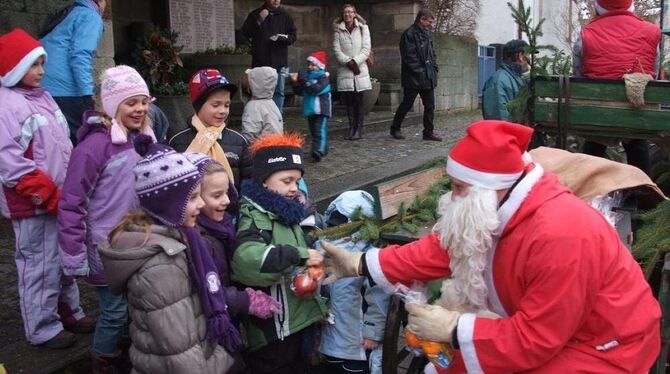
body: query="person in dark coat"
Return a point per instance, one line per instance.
(504, 85)
(271, 30)
(418, 74)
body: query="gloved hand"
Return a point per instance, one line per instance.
(353, 66)
(340, 263)
(261, 304)
(432, 322)
(40, 189)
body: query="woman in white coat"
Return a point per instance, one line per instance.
(351, 44)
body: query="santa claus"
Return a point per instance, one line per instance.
(517, 243)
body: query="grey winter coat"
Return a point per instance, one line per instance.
(167, 326)
(261, 115)
(419, 62)
(354, 45)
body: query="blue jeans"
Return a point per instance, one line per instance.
(112, 322)
(278, 97)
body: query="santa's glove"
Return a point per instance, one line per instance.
(40, 189)
(340, 263)
(261, 304)
(432, 322)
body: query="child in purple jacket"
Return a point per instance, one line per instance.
(35, 152)
(98, 191)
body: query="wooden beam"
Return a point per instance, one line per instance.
(389, 195)
(614, 90)
(597, 116)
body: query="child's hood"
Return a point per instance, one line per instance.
(132, 250)
(93, 122)
(262, 81)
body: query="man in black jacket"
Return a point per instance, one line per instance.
(418, 74)
(271, 30)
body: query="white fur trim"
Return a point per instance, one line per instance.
(466, 332)
(527, 158)
(505, 213)
(375, 271)
(316, 62)
(474, 177)
(600, 10)
(14, 76)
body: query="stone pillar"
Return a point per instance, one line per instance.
(388, 22)
(104, 55)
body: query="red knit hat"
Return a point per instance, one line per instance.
(604, 6)
(18, 51)
(206, 81)
(491, 155)
(318, 58)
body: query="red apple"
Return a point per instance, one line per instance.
(303, 285)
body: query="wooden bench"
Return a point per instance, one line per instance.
(599, 108)
(391, 194)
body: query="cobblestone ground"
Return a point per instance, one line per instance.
(375, 150)
(378, 148)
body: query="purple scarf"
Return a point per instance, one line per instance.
(223, 231)
(212, 296)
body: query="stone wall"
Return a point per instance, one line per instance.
(457, 86)
(30, 14)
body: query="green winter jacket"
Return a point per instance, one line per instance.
(267, 254)
(501, 88)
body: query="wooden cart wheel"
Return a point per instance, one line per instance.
(395, 352)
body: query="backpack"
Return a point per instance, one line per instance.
(53, 19)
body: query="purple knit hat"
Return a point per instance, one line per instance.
(165, 180)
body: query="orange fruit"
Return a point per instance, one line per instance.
(412, 340)
(431, 348)
(316, 272)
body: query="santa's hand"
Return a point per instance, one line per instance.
(432, 322)
(315, 258)
(340, 263)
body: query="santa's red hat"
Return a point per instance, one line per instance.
(605, 6)
(18, 51)
(492, 154)
(318, 58)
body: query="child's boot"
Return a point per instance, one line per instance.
(62, 340)
(104, 364)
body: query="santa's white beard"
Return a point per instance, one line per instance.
(465, 228)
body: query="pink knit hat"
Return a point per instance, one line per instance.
(118, 84)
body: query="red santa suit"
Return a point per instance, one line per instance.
(572, 297)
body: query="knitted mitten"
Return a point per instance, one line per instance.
(261, 304)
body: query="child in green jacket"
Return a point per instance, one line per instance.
(271, 249)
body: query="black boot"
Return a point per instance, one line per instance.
(358, 132)
(350, 132)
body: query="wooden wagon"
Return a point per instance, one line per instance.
(599, 108)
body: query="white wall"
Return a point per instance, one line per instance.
(497, 26)
(495, 23)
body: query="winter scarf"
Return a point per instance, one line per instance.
(206, 142)
(212, 296)
(223, 231)
(288, 211)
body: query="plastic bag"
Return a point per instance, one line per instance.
(441, 354)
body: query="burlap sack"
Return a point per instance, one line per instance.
(636, 83)
(590, 176)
